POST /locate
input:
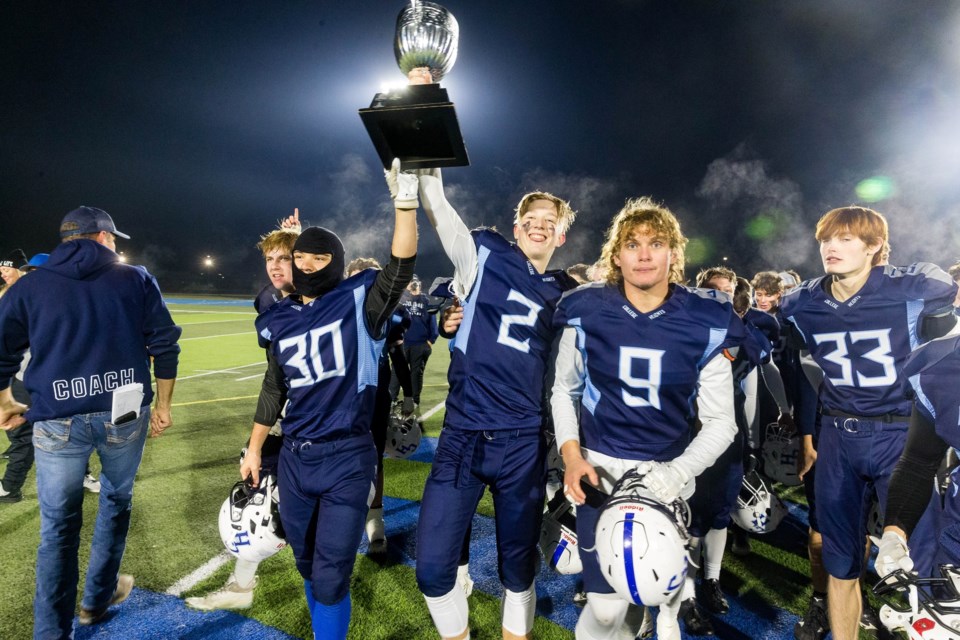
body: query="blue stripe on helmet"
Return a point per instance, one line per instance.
(628, 558)
(558, 553)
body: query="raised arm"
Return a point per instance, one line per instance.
(454, 234)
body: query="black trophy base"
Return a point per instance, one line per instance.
(417, 124)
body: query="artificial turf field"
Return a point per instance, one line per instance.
(186, 474)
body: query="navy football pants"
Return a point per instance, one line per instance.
(854, 458)
(325, 489)
(513, 464)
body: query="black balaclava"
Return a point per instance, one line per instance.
(319, 240)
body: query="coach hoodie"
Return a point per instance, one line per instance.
(92, 323)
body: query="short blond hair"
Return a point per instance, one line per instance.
(706, 275)
(866, 224)
(655, 219)
(282, 239)
(565, 214)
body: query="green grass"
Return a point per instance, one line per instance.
(186, 474)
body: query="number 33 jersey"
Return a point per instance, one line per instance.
(329, 360)
(641, 370)
(499, 356)
(861, 344)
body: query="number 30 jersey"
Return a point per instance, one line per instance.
(499, 357)
(642, 370)
(861, 344)
(329, 360)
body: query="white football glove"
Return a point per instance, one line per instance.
(404, 186)
(894, 554)
(664, 480)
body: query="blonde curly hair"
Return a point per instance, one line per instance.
(649, 217)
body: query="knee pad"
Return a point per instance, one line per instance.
(602, 616)
(518, 609)
(449, 612)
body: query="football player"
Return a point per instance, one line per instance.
(492, 434)
(859, 323)
(933, 371)
(635, 350)
(277, 250)
(325, 341)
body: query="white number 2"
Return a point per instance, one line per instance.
(527, 320)
(841, 356)
(650, 384)
(308, 345)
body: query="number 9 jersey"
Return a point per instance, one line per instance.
(861, 344)
(642, 370)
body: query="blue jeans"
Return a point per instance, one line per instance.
(63, 448)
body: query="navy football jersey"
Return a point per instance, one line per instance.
(329, 360)
(499, 358)
(862, 343)
(934, 373)
(754, 350)
(642, 369)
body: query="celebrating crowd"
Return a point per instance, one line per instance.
(613, 412)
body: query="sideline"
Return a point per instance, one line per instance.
(429, 414)
(187, 404)
(200, 574)
(231, 369)
(222, 335)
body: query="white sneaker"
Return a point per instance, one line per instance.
(646, 629)
(464, 579)
(91, 484)
(232, 596)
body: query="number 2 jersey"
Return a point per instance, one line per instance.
(861, 344)
(499, 357)
(642, 370)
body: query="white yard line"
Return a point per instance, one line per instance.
(222, 335)
(190, 324)
(425, 416)
(256, 375)
(230, 370)
(202, 572)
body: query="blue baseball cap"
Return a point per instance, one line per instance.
(37, 260)
(88, 220)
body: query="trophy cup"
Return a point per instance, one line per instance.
(418, 123)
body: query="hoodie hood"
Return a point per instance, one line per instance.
(79, 259)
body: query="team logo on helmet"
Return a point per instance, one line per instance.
(926, 608)
(558, 536)
(403, 437)
(249, 521)
(642, 544)
(781, 453)
(758, 509)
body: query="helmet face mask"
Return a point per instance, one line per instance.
(759, 509)
(780, 453)
(642, 544)
(403, 437)
(249, 521)
(926, 608)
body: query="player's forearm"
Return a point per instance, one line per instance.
(404, 233)
(257, 437)
(272, 393)
(567, 389)
(453, 233)
(911, 483)
(715, 405)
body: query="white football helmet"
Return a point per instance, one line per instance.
(642, 544)
(926, 608)
(759, 509)
(403, 437)
(558, 536)
(250, 521)
(780, 453)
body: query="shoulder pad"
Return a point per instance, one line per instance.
(710, 294)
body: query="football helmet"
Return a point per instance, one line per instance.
(250, 520)
(558, 536)
(759, 509)
(780, 453)
(926, 608)
(403, 436)
(642, 544)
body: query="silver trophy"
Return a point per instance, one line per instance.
(418, 123)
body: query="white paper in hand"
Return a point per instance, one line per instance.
(126, 403)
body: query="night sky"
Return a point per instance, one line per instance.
(198, 125)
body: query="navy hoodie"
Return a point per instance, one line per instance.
(91, 324)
